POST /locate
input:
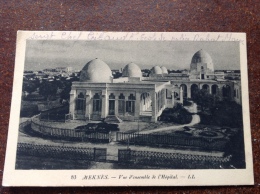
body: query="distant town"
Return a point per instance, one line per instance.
(68, 73)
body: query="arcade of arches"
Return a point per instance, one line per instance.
(222, 90)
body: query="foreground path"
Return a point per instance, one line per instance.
(195, 120)
(112, 147)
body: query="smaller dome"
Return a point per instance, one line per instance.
(132, 70)
(96, 70)
(164, 70)
(156, 70)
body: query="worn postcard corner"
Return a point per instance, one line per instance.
(129, 109)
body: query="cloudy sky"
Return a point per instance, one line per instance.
(41, 54)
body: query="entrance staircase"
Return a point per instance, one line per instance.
(113, 119)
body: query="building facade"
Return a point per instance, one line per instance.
(97, 96)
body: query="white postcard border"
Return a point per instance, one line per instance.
(14, 177)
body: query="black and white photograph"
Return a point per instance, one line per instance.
(154, 105)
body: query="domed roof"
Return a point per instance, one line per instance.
(96, 70)
(156, 70)
(132, 70)
(164, 70)
(203, 57)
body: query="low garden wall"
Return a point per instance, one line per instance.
(172, 140)
(69, 134)
(62, 152)
(172, 160)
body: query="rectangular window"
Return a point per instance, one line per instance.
(168, 94)
(96, 105)
(81, 104)
(130, 106)
(121, 106)
(111, 107)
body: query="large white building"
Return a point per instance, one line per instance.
(98, 96)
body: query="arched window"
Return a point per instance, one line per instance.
(81, 103)
(121, 104)
(131, 97)
(97, 103)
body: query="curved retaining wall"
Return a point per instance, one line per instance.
(70, 134)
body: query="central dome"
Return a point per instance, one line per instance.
(202, 57)
(96, 71)
(132, 70)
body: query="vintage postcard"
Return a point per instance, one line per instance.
(129, 109)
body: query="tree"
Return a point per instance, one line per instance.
(204, 99)
(29, 87)
(48, 89)
(228, 113)
(65, 94)
(177, 114)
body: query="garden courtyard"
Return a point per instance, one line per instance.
(189, 137)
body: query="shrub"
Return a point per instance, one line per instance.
(208, 133)
(186, 128)
(178, 114)
(99, 127)
(186, 103)
(183, 133)
(29, 111)
(226, 113)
